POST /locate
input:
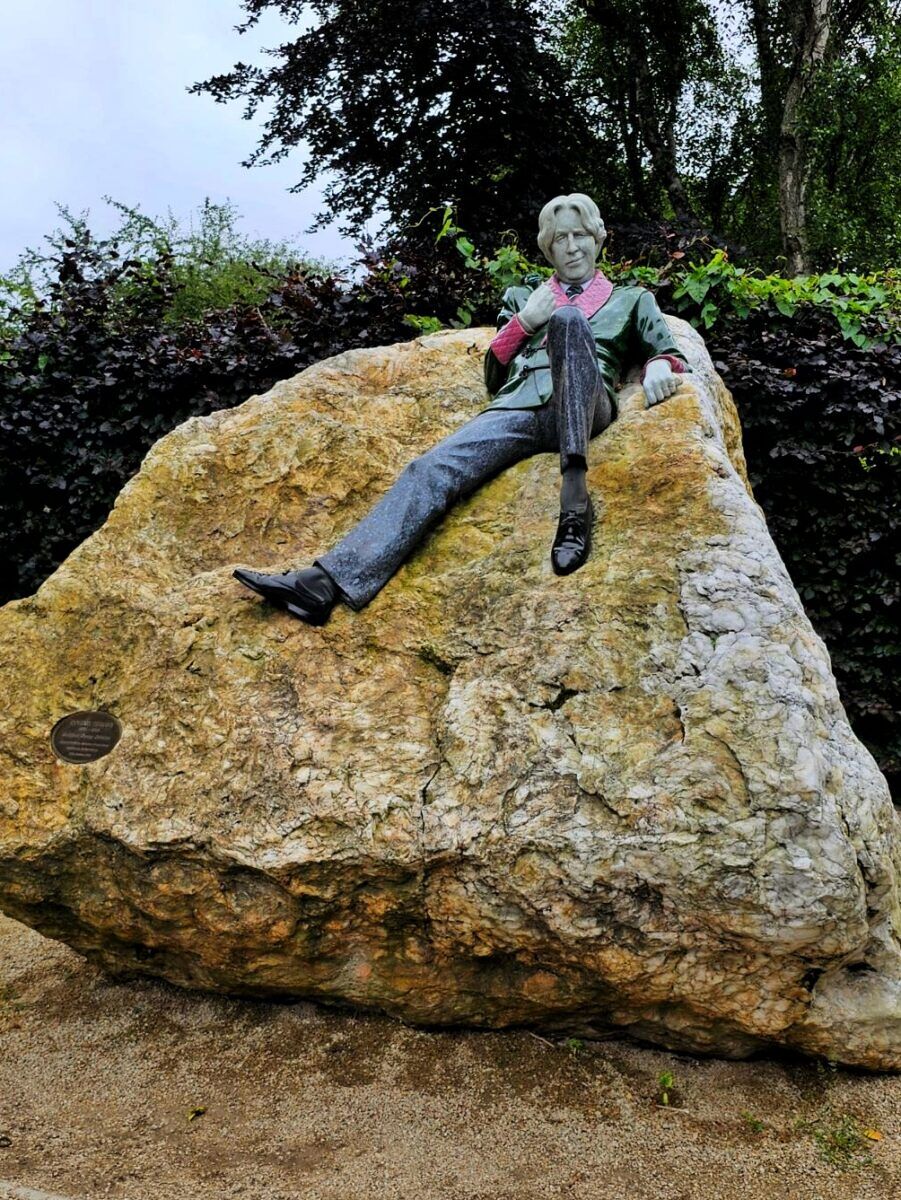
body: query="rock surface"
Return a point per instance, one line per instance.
(624, 798)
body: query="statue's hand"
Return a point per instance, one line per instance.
(660, 381)
(538, 308)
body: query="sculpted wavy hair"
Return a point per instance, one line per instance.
(588, 214)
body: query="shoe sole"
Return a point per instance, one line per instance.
(569, 570)
(302, 614)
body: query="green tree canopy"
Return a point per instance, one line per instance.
(771, 122)
(407, 105)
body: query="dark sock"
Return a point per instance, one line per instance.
(573, 489)
(337, 594)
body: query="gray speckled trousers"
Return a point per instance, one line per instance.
(366, 558)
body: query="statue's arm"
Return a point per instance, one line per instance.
(654, 347)
(510, 337)
(652, 337)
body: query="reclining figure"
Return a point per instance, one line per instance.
(551, 369)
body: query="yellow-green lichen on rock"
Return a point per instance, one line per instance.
(625, 798)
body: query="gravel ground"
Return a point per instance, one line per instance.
(142, 1091)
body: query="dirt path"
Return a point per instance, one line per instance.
(98, 1081)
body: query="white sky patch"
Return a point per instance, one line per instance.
(94, 102)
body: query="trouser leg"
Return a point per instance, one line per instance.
(580, 406)
(363, 561)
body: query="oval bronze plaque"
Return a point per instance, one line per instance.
(82, 737)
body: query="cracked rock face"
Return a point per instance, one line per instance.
(625, 798)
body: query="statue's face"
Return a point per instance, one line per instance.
(573, 250)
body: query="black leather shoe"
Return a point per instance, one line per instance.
(310, 594)
(572, 542)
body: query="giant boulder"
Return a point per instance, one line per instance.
(624, 799)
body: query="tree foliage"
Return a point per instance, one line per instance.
(798, 43)
(208, 263)
(408, 105)
(851, 123)
(632, 62)
(769, 121)
(723, 111)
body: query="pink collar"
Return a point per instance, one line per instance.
(596, 294)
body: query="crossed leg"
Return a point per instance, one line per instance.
(579, 408)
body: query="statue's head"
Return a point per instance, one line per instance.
(570, 235)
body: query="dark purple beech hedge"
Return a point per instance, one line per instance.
(94, 375)
(821, 425)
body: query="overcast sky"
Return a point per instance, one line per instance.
(93, 99)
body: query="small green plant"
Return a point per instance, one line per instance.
(666, 1082)
(753, 1123)
(423, 324)
(840, 1138)
(708, 291)
(506, 267)
(574, 1045)
(893, 453)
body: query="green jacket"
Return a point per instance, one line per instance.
(628, 330)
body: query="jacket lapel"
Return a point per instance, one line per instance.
(595, 296)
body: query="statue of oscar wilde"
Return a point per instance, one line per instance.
(551, 368)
